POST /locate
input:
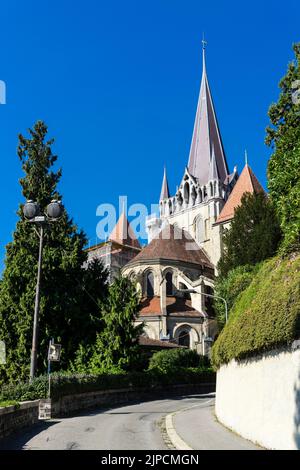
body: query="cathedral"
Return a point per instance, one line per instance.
(175, 271)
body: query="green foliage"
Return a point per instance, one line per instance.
(116, 347)
(24, 391)
(230, 287)
(283, 168)
(265, 316)
(170, 360)
(253, 236)
(4, 404)
(70, 384)
(70, 294)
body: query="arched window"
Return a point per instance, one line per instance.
(169, 283)
(186, 192)
(199, 229)
(184, 338)
(150, 284)
(193, 195)
(211, 189)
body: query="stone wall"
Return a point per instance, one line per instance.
(259, 398)
(13, 418)
(68, 405)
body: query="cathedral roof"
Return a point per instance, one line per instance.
(173, 244)
(206, 136)
(165, 193)
(123, 233)
(247, 183)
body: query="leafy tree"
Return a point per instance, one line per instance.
(284, 165)
(70, 294)
(116, 347)
(253, 236)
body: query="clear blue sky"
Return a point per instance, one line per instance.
(117, 83)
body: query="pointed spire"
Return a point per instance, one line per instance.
(165, 193)
(123, 233)
(213, 169)
(206, 134)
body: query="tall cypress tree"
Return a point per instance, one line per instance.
(70, 292)
(253, 235)
(284, 165)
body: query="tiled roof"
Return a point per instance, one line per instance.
(123, 233)
(175, 307)
(174, 244)
(247, 183)
(144, 341)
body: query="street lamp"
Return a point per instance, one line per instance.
(32, 214)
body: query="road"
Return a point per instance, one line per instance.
(132, 427)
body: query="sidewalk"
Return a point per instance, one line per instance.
(200, 430)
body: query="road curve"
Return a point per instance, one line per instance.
(130, 427)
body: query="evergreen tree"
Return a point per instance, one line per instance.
(70, 294)
(253, 236)
(116, 347)
(284, 165)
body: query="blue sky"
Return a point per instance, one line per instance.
(117, 83)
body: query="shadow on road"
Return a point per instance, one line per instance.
(18, 440)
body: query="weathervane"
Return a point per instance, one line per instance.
(204, 43)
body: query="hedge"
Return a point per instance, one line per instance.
(265, 316)
(67, 384)
(169, 360)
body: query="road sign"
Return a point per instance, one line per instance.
(54, 352)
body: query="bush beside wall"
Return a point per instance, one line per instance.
(67, 384)
(265, 316)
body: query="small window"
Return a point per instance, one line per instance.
(150, 284)
(169, 283)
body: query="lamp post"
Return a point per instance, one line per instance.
(193, 291)
(32, 214)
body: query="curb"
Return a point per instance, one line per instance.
(175, 439)
(177, 442)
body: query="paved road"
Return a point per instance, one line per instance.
(131, 427)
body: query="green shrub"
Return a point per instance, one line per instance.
(25, 391)
(168, 361)
(63, 384)
(265, 316)
(4, 404)
(230, 287)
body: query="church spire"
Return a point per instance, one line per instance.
(165, 193)
(213, 169)
(206, 135)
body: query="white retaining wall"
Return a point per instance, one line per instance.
(259, 398)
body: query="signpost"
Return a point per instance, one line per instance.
(54, 352)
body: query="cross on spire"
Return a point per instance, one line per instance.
(204, 43)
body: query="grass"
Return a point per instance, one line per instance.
(4, 404)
